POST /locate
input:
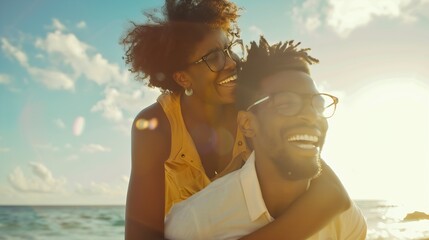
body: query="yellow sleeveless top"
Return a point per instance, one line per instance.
(184, 172)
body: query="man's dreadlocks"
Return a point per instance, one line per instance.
(264, 60)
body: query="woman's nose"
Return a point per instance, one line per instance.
(230, 63)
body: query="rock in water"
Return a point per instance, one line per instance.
(416, 216)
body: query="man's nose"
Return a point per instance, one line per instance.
(309, 114)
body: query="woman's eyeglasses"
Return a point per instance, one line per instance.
(216, 60)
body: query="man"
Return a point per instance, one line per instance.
(283, 116)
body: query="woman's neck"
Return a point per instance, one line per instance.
(212, 128)
(208, 113)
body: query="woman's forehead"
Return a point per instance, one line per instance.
(213, 40)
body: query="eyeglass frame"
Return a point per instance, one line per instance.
(226, 51)
(336, 100)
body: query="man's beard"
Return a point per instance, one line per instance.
(292, 170)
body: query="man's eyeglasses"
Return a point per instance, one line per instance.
(216, 60)
(290, 103)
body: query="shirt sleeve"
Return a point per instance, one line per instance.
(354, 224)
(180, 223)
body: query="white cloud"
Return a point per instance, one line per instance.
(81, 24)
(74, 53)
(120, 105)
(59, 123)
(109, 105)
(5, 79)
(72, 59)
(42, 172)
(14, 52)
(41, 180)
(117, 101)
(52, 79)
(94, 148)
(344, 16)
(309, 14)
(70, 53)
(57, 25)
(312, 23)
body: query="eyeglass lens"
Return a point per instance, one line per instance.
(290, 104)
(216, 60)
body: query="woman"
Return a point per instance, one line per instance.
(188, 55)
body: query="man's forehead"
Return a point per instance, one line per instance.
(288, 80)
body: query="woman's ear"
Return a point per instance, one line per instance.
(182, 79)
(247, 123)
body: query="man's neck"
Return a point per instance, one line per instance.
(278, 193)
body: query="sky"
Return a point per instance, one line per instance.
(67, 99)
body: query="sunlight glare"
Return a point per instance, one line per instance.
(378, 142)
(142, 124)
(78, 126)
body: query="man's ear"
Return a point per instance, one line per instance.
(182, 79)
(247, 123)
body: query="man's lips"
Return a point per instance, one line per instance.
(305, 138)
(304, 141)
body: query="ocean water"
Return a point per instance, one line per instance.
(385, 221)
(62, 222)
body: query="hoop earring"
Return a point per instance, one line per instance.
(189, 92)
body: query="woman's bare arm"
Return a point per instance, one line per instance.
(325, 198)
(144, 217)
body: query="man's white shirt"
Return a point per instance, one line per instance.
(232, 207)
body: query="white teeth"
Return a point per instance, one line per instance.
(229, 79)
(306, 146)
(304, 137)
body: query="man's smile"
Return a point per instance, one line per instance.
(304, 141)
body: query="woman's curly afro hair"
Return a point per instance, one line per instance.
(162, 46)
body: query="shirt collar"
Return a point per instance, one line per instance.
(252, 190)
